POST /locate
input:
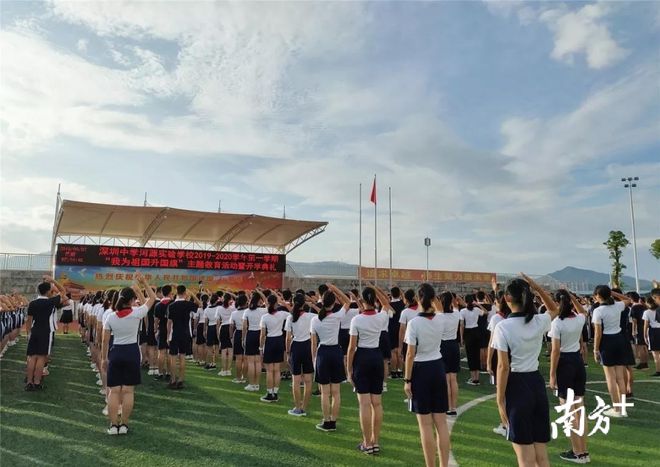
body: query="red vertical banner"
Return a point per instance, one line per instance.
(373, 192)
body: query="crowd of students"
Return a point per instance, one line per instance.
(363, 338)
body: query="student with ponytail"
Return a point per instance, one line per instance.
(225, 311)
(408, 313)
(327, 355)
(567, 367)
(502, 311)
(209, 321)
(471, 337)
(123, 357)
(451, 351)
(251, 334)
(299, 349)
(521, 396)
(272, 345)
(236, 321)
(425, 383)
(651, 318)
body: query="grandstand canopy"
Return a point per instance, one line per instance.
(148, 224)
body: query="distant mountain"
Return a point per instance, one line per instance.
(323, 268)
(586, 279)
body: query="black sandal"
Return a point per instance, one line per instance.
(362, 448)
(376, 448)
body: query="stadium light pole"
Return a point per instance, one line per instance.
(427, 243)
(628, 183)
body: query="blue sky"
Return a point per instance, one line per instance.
(502, 127)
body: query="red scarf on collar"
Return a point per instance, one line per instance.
(369, 312)
(124, 313)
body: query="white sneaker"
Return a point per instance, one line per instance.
(384, 387)
(500, 430)
(105, 411)
(113, 430)
(102, 391)
(45, 372)
(150, 372)
(406, 401)
(221, 373)
(123, 429)
(237, 381)
(248, 387)
(99, 382)
(612, 413)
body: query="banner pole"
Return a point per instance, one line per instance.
(375, 234)
(360, 242)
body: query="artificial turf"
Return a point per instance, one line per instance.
(215, 422)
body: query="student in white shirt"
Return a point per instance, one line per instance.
(123, 357)
(226, 346)
(408, 313)
(299, 349)
(471, 337)
(327, 355)
(451, 351)
(521, 395)
(199, 325)
(271, 343)
(209, 318)
(425, 382)
(251, 335)
(365, 365)
(651, 318)
(567, 367)
(236, 321)
(610, 342)
(502, 310)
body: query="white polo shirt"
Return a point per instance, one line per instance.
(210, 315)
(253, 317)
(522, 339)
(328, 329)
(451, 321)
(346, 320)
(125, 330)
(496, 318)
(367, 326)
(237, 319)
(273, 323)
(407, 314)
(426, 335)
(470, 317)
(568, 331)
(224, 314)
(300, 330)
(649, 315)
(609, 316)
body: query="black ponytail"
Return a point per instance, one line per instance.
(213, 300)
(369, 296)
(254, 302)
(520, 294)
(565, 305)
(426, 294)
(125, 297)
(605, 293)
(110, 299)
(298, 306)
(502, 305)
(272, 303)
(226, 300)
(469, 302)
(446, 298)
(204, 300)
(409, 296)
(241, 302)
(329, 300)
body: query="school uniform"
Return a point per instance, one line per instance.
(67, 314)
(612, 342)
(482, 324)
(384, 338)
(273, 323)
(626, 329)
(406, 315)
(253, 332)
(41, 335)
(124, 355)
(368, 365)
(300, 355)
(210, 317)
(179, 312)
(570, 368)
(527, 405)
(471, 336)
(160, 312)
(329, 357)
(636, 315)
(224, 317)
(151, 329)
(428, 379)
(237, 320)
(345, 325)
(492, 323)
(653, 318)
(393, 326)
(451, 351)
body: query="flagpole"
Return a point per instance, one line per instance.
(360, 243)
(389, 189)
(375, 234)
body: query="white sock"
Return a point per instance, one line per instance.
(275, 390)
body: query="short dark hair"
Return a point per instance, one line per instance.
(166, 290)
(43, 288)
(180, 289)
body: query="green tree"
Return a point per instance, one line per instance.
(615, 244)
(655, 248)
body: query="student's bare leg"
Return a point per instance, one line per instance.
(39, 368)
(277, 374)
(295, 389)
(612, 385)
(376, 417)
(307, 395)
(364, 401)
(325, 402)
(182, 367)
(127, 403)
(541, 453)
(114, 402)
(452, 388)
(442, 437)
(629, 378)
(172, 364)
(336, 401)
(425, 423)
(30, 368)
(526, 454)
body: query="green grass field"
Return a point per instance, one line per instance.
(215, 422)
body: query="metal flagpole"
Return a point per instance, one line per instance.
(389, 190)
(360, 243)
(375, 234)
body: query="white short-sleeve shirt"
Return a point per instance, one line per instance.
(609, 316)
(125, 330)
(568, 331)
(649, 315)
(496, 318)
(300, 330)
(426, 334)
(253, 318)
(522, 339)
(210, 315)
(346, 320)
(407, 314)
(273, 323)
(224, 314)
(237, 319)
(451, 321)
(470, 317)
(328, 329)
(367, 327)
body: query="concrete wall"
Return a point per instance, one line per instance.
(25, 282)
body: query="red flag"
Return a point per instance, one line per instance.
(373, 192)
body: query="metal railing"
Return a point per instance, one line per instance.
(25, 262)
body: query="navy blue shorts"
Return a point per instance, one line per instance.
(654, 339)
(384, 345)
(344, 339)
(162, 340)
(429, 388)
(225, 338)
(629, 355)
(451, 356)
(124, 365)
(472, 348)
(212, 336)
(274, 349)
(571, 374)
(300, 358)
(612, 350)
(329, 365)
(527, 408)
(142, 335)
(40, 343)
(199, 335)
(368, 371)
(178, 345)
(151, 339)
(67, 316)
(252, 342)
(238, 342)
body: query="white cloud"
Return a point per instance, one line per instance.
(81, 45)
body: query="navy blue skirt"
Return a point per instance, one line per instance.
(612, 350)
(384, 345)
(329, 365)
(429, 388)
(344, 339)
(212, 336)
(368, 371)
(300, 358)
(238, 342)
(571, 374)
(451, 356)
(124, 365)
(654, 339)
(199, 339)
(252, 342)
(274, 349)
(225, 338)
(527, 408)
